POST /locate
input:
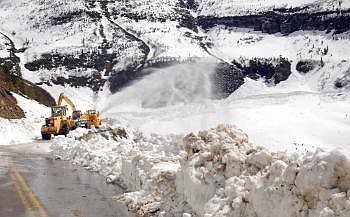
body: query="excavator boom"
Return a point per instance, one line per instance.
(62, 98)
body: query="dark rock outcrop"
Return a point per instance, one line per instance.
(227, 78)
(16, 84)
(95, 81)
(282, 70)
(11, 81)
(273, 69)
(344, 81)
(284, 21)
(305, 66)
(8, 105)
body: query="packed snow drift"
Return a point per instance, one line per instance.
(27, 129)
(216, 172)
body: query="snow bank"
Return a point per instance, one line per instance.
(216, 172)
(242, 180)
(117, 152)
(26, 129)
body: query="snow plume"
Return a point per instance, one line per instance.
(163, 87)
(216, 172)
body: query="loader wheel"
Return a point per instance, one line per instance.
(65, 130)
(74, 127)
(45, 136)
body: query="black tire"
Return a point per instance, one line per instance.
(65, 130)
(74, 127)
(45, 136)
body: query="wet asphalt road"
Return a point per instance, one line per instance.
(37, 185)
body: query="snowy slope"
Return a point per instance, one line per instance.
(181, 96)
(26, 129)
(53, 31)
(235, 43)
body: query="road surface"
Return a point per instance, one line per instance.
(35, 185)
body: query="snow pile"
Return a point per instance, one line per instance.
(120, 154)
(144, 164)
(219, 173)
(224, 175)
(26, 129)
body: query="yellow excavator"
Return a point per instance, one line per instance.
(60, 124)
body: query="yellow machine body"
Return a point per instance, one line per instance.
(91, 118)
(58, 123)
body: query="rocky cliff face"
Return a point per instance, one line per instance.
(284, 21)
(11, 81)
(8, 106)
(229, 77)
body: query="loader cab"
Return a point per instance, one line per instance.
(57, 111)
(91, 112)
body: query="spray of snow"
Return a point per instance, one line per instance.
(174, 85)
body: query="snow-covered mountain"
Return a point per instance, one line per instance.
(86, 43)
(158, 53)
(90, 49)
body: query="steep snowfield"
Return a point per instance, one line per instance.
(216, 172)
(166, 38)
(74, 35)
(236, 43)
(26, 129)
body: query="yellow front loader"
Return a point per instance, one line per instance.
(58, 123)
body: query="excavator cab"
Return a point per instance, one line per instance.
(76, 115)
